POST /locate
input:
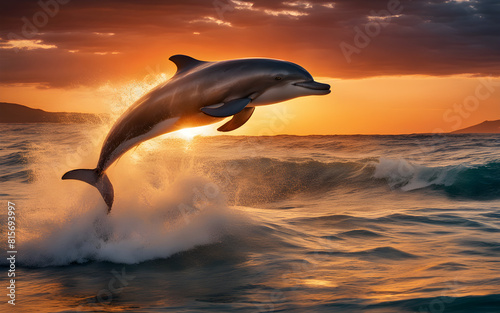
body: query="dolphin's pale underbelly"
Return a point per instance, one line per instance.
(275, 95)
(163, 127)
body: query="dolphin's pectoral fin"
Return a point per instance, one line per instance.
(227, 109)
(238, 120)
(184, 62)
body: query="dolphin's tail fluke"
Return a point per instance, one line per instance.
(97, 179)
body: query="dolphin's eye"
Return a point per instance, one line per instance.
(278, 78)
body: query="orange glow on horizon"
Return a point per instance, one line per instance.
(378, 105)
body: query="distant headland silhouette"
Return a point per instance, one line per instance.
(16, 113)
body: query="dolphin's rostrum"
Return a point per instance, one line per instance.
(200, 93)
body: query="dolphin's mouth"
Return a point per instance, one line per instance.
(314, 86)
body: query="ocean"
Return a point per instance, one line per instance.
(407, 223)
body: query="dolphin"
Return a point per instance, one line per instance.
(199, 93)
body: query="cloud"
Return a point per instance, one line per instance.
(211, 19)
(25, 44)
(91, 42)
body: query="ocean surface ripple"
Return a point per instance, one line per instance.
(407, 223)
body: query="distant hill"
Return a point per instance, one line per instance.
(16, 113)
(486, 127)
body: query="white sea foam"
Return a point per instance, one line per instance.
(407, 176)
(160, 209)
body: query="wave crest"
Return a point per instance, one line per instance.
(468, 181)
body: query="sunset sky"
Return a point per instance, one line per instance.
(394, 66)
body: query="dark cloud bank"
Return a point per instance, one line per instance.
(91, 42)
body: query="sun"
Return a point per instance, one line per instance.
(189, 133)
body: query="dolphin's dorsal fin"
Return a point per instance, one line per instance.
(184, 62)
